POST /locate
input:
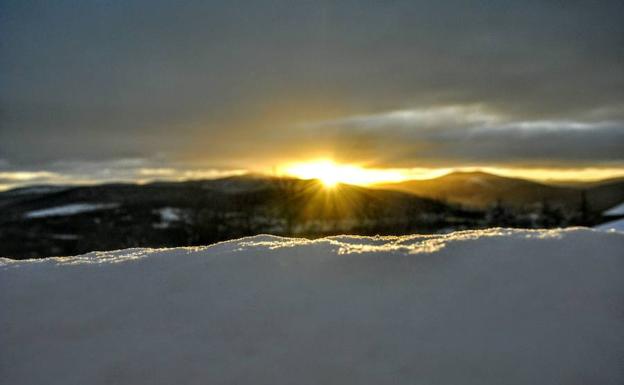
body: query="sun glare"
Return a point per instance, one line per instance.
(330, 173)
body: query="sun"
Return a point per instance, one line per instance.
(326, 171)
(330, 173)
(329, 181)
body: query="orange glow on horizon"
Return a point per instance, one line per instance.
(326, 170)
(331, 173)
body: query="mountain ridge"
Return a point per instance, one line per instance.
(480, 189)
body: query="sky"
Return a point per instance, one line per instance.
(135, 90)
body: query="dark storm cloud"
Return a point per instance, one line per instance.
(97, 80)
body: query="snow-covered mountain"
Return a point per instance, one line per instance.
(478, 307)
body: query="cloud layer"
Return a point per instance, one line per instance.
(467, 135)
(237, 84)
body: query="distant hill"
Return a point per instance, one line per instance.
(65, 220)
(583, 184)
(479, 189)
(69, 220)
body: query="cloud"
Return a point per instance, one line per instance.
(463, 135)
(98, 81)
(26, 176)
(120, 170)
(423, 118)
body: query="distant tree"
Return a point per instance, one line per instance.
(584, 209)
(246, 207)
(412, 212)
(582, 216)
(498, 215)
(286, 203)
(206, 222)
(550, 216)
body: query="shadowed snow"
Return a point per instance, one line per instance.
(474, 307)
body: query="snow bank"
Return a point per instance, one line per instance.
(477, 307)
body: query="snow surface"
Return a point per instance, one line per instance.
(70, 209)
(616, 225)
(477, 307)
(168, 215)
(615, 211)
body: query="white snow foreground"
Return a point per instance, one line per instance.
(478, 307)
